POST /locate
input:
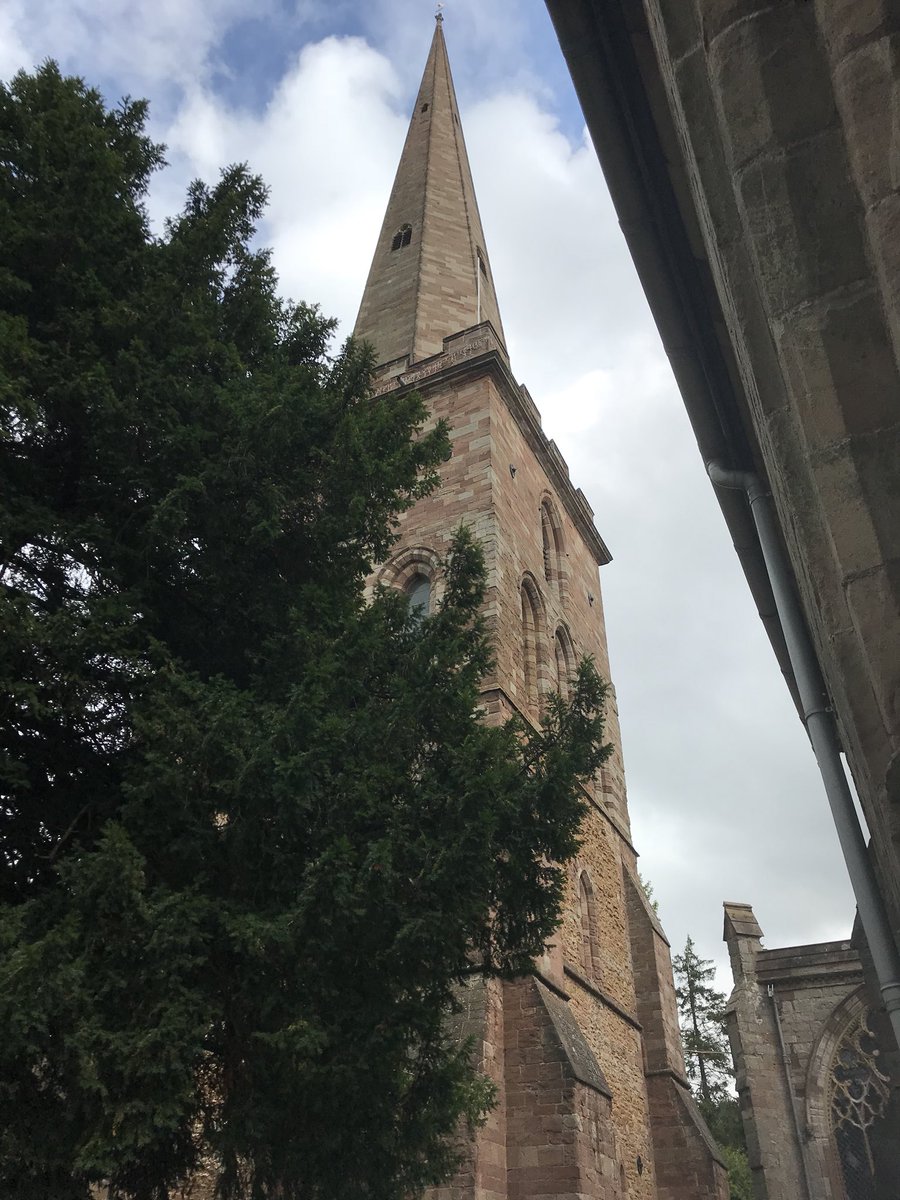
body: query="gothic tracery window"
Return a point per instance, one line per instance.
(860, 1093)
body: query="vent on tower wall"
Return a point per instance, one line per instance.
(402, 237)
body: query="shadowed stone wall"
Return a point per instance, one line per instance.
(788, 120)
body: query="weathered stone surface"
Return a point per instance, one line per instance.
(816, 991)
(783, 122)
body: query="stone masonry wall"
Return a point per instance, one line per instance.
(504, 510)
(501, 474)
(562, 1139)
(687, 1162)
(815, 993)
(787, 118)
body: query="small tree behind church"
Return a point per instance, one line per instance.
(701, 1007)
(707, 1055)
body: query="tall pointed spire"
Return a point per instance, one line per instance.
(430, 276)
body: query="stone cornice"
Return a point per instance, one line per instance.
(822, 963)
(478, 351)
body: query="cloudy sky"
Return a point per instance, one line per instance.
(316, 94)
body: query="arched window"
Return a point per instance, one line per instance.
(552, 545)
(402, 237)
(565, 661)
(587, 922)
(418, 591)
(860, 1094)
(531, 640)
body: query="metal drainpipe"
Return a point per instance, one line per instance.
(820, 725)
(792, 1095)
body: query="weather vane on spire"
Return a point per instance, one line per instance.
(439, 14)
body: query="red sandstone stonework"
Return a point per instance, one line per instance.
(585, 1054)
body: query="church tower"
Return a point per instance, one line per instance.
(585, 1052)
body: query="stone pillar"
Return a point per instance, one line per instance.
(560, 1133)
(761, 1084)
(482, 1175)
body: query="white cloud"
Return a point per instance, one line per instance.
(326, 144)
(140, 43)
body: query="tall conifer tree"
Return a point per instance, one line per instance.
(254, 836)
(702, 1009)
(707, 1054)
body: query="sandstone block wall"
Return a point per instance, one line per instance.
(607, 996)
(787, 116)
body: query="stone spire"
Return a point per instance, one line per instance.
(430, 276)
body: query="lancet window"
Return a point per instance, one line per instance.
(552, 545)
(565, 661)
(531, 640)
(418, 591)
(587, 923)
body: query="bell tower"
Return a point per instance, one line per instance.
(585, 1051)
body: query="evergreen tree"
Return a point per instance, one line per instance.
(701, 1007)
(254, 836)
(707, 1054)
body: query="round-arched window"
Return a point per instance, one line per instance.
(553, 547)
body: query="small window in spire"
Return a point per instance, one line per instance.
(402, 237)
(481, 263)
(424, 107)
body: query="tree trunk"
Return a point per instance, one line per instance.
(704, 1085)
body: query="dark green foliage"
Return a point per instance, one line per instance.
(701, 1007)
(740, 1178)
(253, 836)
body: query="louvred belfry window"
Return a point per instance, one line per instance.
(402, 237)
